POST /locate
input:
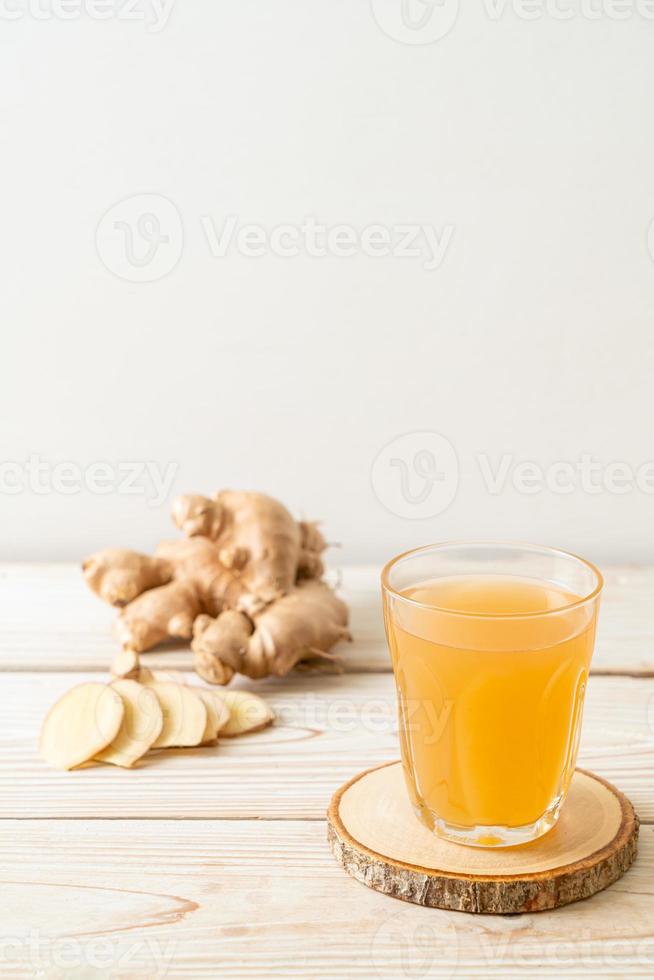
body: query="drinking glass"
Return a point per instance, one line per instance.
(491, 646)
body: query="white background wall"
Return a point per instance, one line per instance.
(533, 140)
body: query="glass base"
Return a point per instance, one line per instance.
(490, 836)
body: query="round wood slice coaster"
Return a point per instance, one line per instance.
(377, 838)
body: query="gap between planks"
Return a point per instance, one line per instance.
(94, 668)
(189, 819)
(182, 819)
(647, 673)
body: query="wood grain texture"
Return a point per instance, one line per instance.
(326, 732)
(52, 621)
(228, 873)
(203, 899)
(375, 837)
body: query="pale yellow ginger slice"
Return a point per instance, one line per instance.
(141, 726)
(82, 723)
(247, 713)
(218, 714)
(125, 664)
(184, 715)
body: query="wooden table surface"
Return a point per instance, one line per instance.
(207, 863)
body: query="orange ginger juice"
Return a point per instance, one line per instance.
(490, 696)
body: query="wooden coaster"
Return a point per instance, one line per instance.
(377, 838)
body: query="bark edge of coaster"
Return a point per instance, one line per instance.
(376, 837)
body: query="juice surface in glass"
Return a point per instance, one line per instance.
(491, 683)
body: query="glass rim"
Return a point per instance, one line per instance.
(387, 587)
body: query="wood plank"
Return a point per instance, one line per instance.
(51, 621)
(326, 732)
(241, 899)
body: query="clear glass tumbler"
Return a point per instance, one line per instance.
(491, 646)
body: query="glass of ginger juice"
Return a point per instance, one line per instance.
(491, 646)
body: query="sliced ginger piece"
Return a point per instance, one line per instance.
(247, 713)
(125, 664)
(218, 714)
(217, 711)
(82, 723)
(184, 715)
(141, 726)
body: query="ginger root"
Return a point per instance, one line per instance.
(312, 545)
(159, 614)
(256, 537)
(304, 624)
(244, 584)
(118, 576)
(220, 645)
(196, 560)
